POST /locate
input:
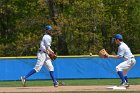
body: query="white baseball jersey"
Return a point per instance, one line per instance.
(124, 51)
(45, 42)
(42, 56)
(129, 60)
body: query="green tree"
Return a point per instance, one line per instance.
(80, 26)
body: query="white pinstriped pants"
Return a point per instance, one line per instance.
(126, 66)
(43, 59)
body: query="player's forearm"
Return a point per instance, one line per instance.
(113, 56)
(49, 49)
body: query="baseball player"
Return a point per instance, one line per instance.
(43, 58)
(129, 59)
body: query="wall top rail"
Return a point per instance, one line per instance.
(69, 56)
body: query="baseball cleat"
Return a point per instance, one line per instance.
(56, 84)
(23, 80)
(125, 84)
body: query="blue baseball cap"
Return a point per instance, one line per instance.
(118, 36)
(48, 27)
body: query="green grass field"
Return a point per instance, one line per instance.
(73, 82)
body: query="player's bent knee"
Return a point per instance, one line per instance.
(37, 69)
(51, 68)
(117, 69)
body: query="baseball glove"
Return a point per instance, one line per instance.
(103, 53)
(52, 56)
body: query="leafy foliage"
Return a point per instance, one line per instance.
(81, 27)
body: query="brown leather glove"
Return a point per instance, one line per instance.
(103, 53)
(52, 56)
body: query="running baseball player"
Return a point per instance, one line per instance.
(43, 58)
(129, 59)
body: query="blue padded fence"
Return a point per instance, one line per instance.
(65, 68)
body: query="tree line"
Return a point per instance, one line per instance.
(80, 26)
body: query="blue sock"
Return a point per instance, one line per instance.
(126, 79)
(30, 73)
(52, 76)
(120, 73)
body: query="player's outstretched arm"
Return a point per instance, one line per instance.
(113, 56)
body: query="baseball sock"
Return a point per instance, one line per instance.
(120, 73)
(30, 73)
(126, 79)
(52, 76)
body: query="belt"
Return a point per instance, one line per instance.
(129, 58)
(42, 51)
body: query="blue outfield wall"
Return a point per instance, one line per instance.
(65, 68)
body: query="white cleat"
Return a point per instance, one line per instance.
(125, 84)
(23, 80)
(56, 84)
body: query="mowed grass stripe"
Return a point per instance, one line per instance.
(73, 82)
